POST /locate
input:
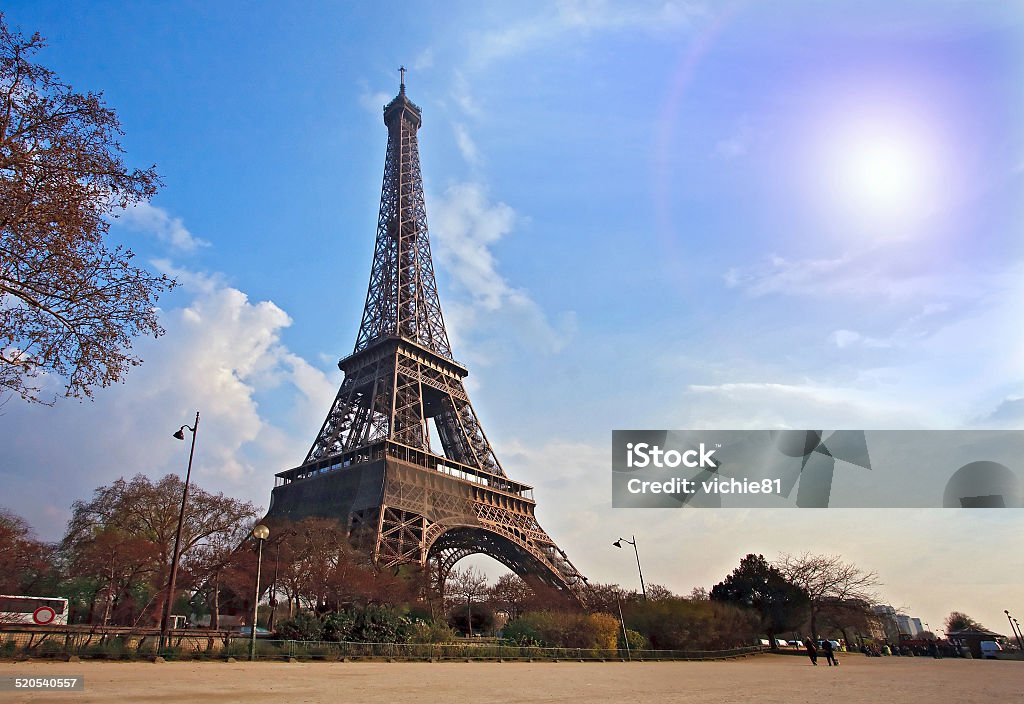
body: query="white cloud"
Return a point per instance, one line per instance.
(467, 147)
(222, 353)
(801, 405)
(576, 17)
(848, 338)
(865, 275)
(466, 225)
(148, 218)
(463, 97)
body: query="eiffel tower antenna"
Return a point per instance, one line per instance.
(409, 495)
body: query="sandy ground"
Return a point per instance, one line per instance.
(766, 679)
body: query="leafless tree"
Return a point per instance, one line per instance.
(827, 579)
(69, 304)
(467, 585)
(511, 594)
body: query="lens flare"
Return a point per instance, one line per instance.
(882, 170)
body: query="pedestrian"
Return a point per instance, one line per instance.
(812, 652)
(830, 655)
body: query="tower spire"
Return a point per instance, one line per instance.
(402, 70)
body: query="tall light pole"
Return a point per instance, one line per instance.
(261, 533)
(625, 635)
(1016, 635)
(165, 623)
(618, 543)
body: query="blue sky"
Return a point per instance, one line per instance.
(670, 214)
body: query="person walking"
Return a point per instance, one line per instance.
(812, 651)
(830, 655)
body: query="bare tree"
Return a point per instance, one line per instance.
(827, 579)
(467, 584)
(512, 594)
(69, 305)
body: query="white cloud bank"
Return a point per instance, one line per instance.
(466, 225)
(221, 355)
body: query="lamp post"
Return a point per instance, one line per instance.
(1016, 635)
(261, 533)
(625, 635)
(618, 543)
(165, 623)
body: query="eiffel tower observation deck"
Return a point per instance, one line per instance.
(406, 495)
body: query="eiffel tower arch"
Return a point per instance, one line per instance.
(407, 495)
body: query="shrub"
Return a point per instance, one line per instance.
(305, 626)
(431, 632)
(636, 640)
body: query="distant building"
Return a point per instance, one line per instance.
(907, 625)
(894, 624)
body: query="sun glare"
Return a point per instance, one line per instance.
(883, 172)
(878, 171)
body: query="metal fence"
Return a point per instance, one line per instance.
(122, 644)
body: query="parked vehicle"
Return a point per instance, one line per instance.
(38, 610)
(990, 648)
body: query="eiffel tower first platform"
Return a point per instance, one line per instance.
(374, 465)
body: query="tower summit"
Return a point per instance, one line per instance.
(402, 459)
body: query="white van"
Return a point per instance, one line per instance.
(989, 648)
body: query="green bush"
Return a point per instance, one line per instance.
(431, 632)
(636, 640)
(521, 632)
(558, 629)
(305, 626)
(380, 624)
(338, 626)
(681, 624)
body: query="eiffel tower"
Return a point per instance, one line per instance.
(408, 497)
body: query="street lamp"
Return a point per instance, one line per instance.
(1016, 635)
(165, 623)
(261, 533)
(618, 543)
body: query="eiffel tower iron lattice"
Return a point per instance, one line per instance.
(374, 464)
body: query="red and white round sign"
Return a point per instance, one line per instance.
(43, 615)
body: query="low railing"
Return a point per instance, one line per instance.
(58, 643)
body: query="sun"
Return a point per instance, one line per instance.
(882, 170)
(879, 171)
